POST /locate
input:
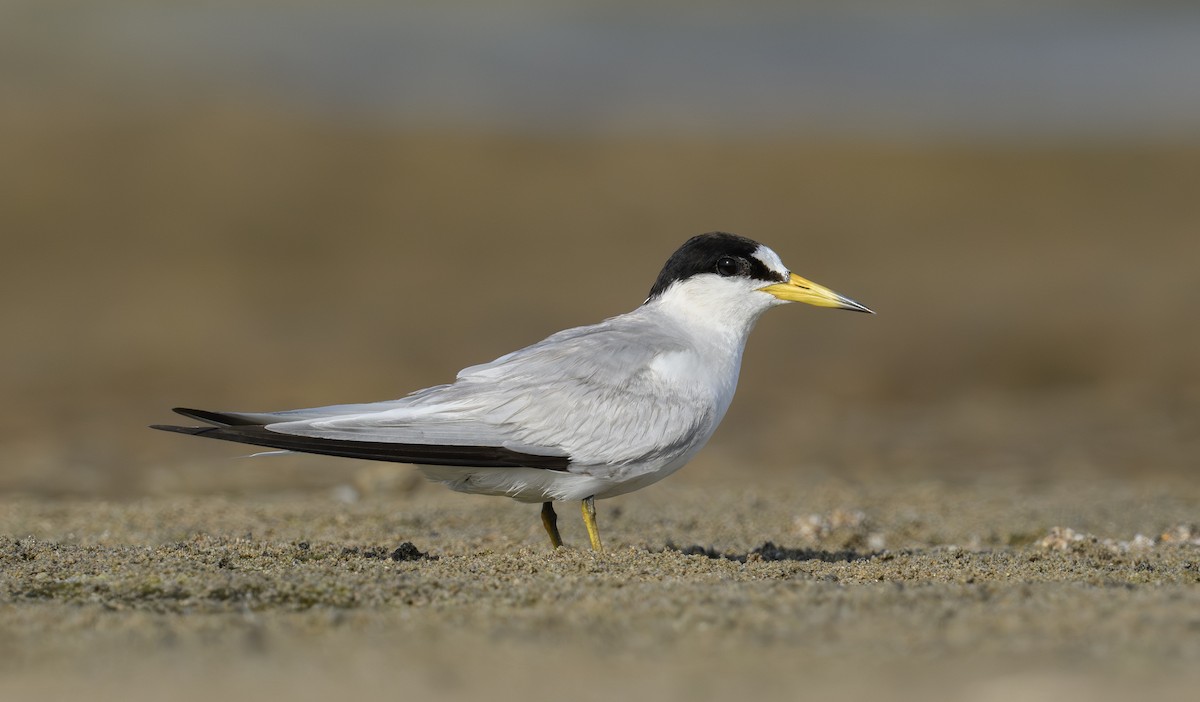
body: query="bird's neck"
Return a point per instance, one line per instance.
(718, 322)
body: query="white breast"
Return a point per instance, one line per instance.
(706, 377)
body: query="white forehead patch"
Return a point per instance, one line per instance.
(770, 259)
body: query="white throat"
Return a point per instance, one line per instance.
(722, 310)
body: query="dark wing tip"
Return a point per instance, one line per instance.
(182, 430)
(220, 419)
(429, 454)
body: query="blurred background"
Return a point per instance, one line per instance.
(262, 205)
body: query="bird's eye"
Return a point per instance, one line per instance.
(727, 266)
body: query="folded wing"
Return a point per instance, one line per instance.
(582, 396)
(432, 454)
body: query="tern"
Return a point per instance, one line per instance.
(585, 414)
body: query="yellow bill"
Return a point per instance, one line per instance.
(799, 289)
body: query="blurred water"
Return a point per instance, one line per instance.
(996, 69)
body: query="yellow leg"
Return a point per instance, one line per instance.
(550, 521)
(589, 520)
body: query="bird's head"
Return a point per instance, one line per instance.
(725, 278)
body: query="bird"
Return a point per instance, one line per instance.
(588, 413)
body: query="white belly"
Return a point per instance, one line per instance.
(542, 485)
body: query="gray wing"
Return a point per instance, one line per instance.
(586, 396)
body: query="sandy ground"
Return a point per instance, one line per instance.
(828, 589)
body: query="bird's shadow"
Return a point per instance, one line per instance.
(770, 552)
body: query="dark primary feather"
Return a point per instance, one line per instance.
(221, 419)
(241, 431)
